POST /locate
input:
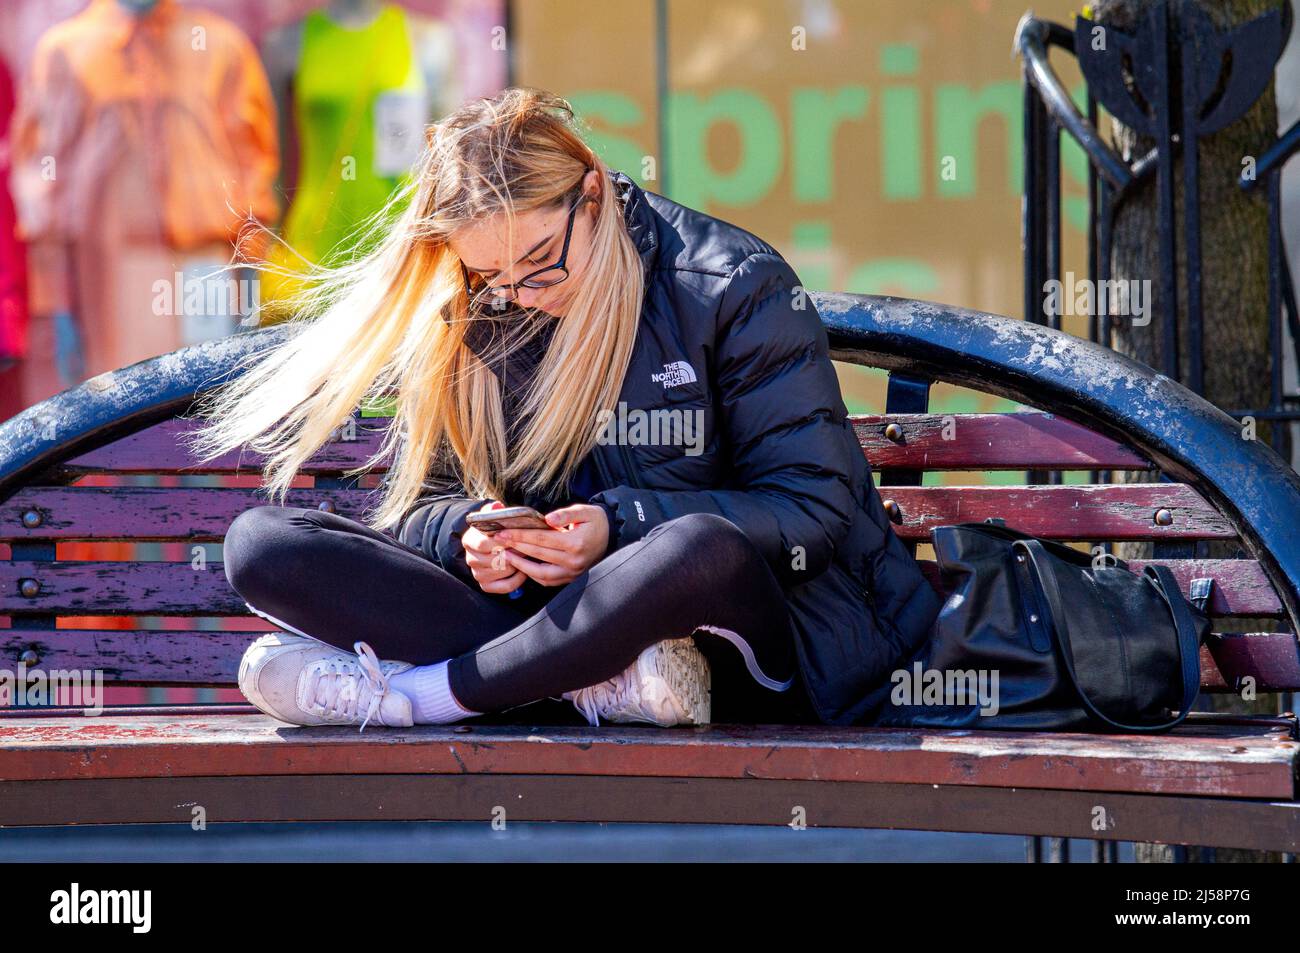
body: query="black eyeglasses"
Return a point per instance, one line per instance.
(542, 277)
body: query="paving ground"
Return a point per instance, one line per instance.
(521, 842)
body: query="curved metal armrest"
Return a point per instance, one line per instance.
(120, 402)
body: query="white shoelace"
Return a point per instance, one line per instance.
(587, 705)
(611, 695)
(339, 681)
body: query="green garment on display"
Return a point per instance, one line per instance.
(361, 105)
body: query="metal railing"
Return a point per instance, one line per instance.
(1213, 79)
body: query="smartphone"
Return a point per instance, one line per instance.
(512, 517)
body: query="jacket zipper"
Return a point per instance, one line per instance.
(871, 600)
(600, 468)
(629, 466)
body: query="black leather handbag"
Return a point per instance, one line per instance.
(1039, 636)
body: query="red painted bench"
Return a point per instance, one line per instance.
(1221, 780)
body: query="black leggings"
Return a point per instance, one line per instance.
(337, 580)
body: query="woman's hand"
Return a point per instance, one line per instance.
(577, 540)
(486, 558)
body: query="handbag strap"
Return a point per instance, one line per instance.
(1188, 639)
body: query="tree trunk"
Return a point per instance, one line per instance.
(1234, 249)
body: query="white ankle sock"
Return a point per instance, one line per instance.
(429, 690)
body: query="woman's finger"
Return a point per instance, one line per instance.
(547, 538)
(476, 541)
(505, 584)
(545, 554)
(575, 513)
(487, 562)
(488, 574)
(478, 560)
(545, 573)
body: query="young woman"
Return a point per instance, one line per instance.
(652, 379)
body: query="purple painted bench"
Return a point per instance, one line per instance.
(1228, 780)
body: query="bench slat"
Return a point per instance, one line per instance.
(206, 658)
(981, 441)
(1240, 762)
(151, 513)
(1251, 824)
(1272, 659)
(1071, 512)
(157, 449)
(1066, 512)
(100, 587)
(1240, 586)
(1019, 441)
(93, 587)
(199, 658)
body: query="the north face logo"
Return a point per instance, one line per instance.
(678, 372)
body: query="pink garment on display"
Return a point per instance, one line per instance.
(13, 261)
(13, 273)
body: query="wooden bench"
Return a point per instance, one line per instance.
(1221, 780)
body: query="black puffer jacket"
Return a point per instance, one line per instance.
(726, 330)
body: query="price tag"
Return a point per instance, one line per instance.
(400, 116)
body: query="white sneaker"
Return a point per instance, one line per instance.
(308, 682)
(667, 685)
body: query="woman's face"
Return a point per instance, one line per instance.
(538, 241)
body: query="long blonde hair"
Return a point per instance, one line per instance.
(395, 318)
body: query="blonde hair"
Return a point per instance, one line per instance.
(395, 318)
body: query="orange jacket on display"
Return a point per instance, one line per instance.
(166, 118)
